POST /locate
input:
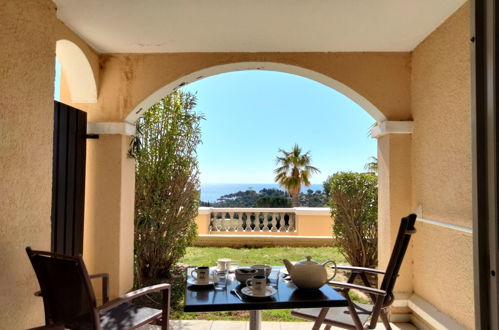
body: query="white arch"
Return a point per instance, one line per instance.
(270, 66)
(78, 72)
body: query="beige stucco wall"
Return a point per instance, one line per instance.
(443, 270)
(203, 221)
(26, 125)
(314, 225)
(127, 79)
(442, 122)
(441, 168)
(109, 211)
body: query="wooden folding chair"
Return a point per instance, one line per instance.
(69, 299)
(356, 315)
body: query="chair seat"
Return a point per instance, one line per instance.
(127, 315)
(336, 314)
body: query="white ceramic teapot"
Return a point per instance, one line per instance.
(308, 274)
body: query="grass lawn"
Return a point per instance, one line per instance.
(207, 256)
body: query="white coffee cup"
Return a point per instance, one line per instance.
(223, 264)
(203, 275)
(258, 284)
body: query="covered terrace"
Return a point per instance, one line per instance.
(408, 64)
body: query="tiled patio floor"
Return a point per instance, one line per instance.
(239, 325)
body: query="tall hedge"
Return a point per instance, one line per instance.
(166, 184)
(354, 208)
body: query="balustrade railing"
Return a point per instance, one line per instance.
(252, 220)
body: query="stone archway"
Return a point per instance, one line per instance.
(371, 109)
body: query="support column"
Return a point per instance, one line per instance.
(26, 143)
(395, 201)
(109, 211)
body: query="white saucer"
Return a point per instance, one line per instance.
(269, 291)
(192, 281)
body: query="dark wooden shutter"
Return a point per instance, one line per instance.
(485, 125)
(68, 181)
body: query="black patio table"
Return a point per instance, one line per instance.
(199, 299)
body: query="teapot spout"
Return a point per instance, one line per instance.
(289, 265)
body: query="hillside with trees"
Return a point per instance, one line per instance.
(275, 198)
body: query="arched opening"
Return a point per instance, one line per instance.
(243, 222)
(270, 66)
(76, 73)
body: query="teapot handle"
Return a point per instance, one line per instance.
(324, 264)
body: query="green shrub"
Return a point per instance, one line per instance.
(354, 208)
(166, 184)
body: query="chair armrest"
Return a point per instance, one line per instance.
(103, 275)
(355, 269)
(358, 287)
(105, 285)
(132, 295)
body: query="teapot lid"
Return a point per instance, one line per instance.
(308, 261)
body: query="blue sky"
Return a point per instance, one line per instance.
(251, 114)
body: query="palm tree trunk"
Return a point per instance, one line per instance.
(295, 199)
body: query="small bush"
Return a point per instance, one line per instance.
(354, 208)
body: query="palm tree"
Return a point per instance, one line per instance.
(293, 171)
(372, 165)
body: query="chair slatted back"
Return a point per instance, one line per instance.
(67, 293)
(406, 229)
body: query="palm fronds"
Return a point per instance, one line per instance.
(293, 171)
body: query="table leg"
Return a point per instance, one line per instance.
(255, 321)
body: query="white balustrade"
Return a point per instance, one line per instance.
(252, 220)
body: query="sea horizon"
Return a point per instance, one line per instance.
(210, 192)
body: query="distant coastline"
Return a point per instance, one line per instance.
(210, 192)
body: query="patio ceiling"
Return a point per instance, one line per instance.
(150, 26)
